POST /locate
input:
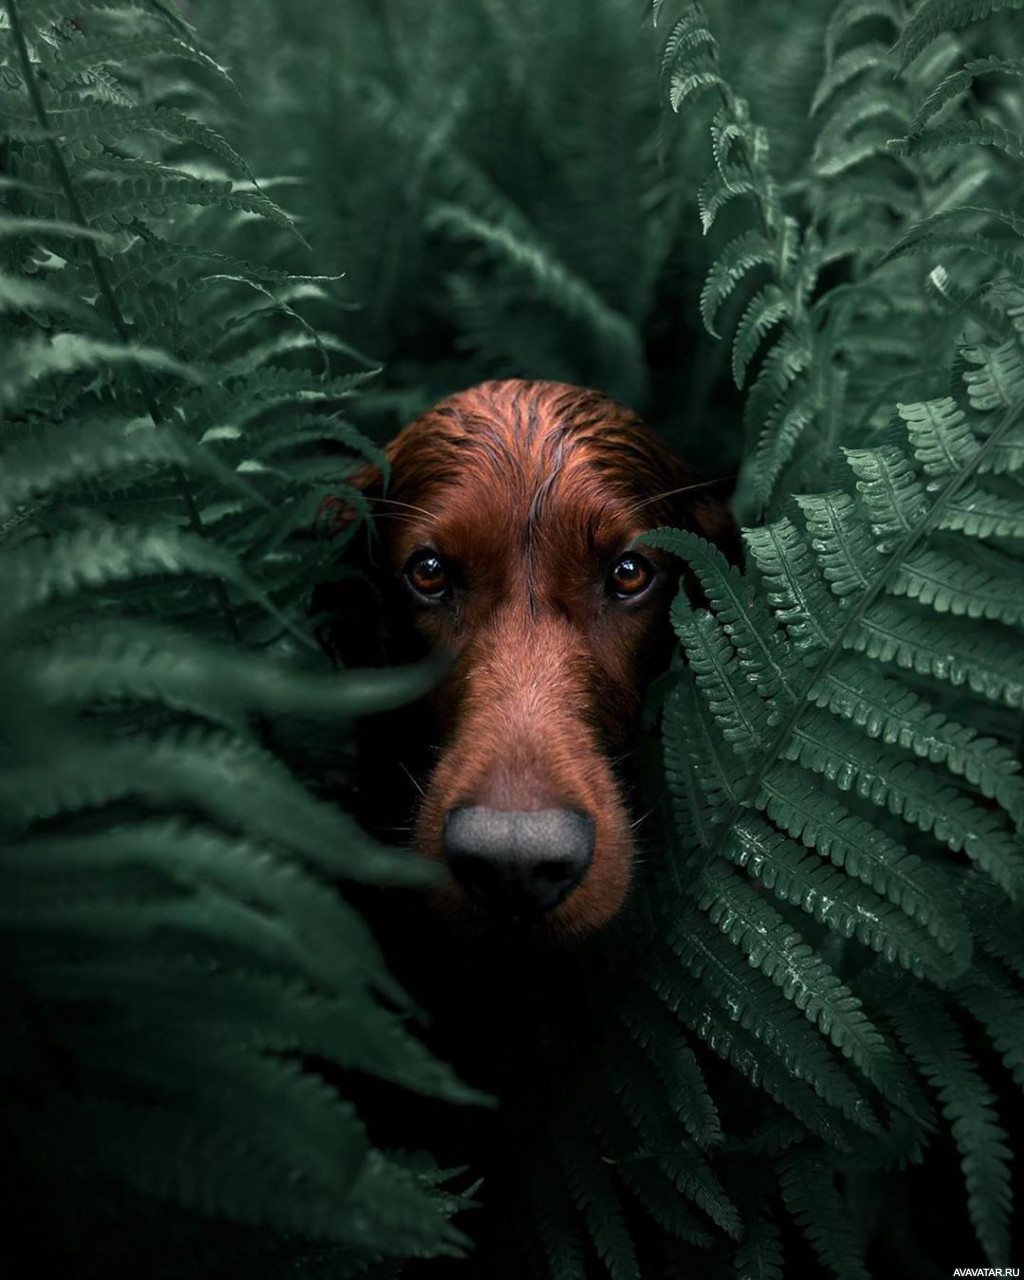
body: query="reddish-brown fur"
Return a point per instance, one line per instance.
(532, 489)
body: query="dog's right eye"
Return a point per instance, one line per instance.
(427, 575)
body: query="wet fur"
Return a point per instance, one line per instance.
(532, 489)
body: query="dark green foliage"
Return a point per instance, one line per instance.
(175, 942)
(814, 993)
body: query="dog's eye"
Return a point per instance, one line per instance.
(427, 575)
(630, 575)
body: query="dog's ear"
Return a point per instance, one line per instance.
(709, 514)
(704, 506)
(348, 605)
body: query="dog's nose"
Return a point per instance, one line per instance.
(512, 862)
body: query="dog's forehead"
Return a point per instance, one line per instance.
(528, 436)
(535, 470)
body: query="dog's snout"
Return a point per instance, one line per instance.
(516, 861)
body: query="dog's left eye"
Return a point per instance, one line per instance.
(629, 576)
(427, 575)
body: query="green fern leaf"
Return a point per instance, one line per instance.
(747, 1054)
(87, 51)
(935, 17)
(995, 1001)
(796, 590)
(942, 440)
(252, 793)
(64, 454)
(998, 380)
(554, 1218)
(12, 225)
(850, 910)
(45, 13)
(694, 1179)
(849, 559)
(742, 716)
(935, 1044)
(721, 186)
(960, 587)
(849, 13)
(677, 1069)
(894, 498)
(868, 103)
(751, 628)
(119, 203)
(959, 133)
(885, 710)
(759, 1257)
(984, 658)
(808, 1192)
(780, 434)
(35, 359)
(661, 1199)
(870, 56)
(914, 793)
(126, 659)
(567, 291)
(747, 251)
(799, 806)
(767, 308)
(980, 513)
(959, 81)
(802, 975)
(110, 123)
(594, 1194)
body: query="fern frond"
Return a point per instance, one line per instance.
(998, 380)
(767, 308)
(746, 252)
(934, 17)
(722, 185)
(849, 559)
(594, 1194)
(852, 911)
(86, 51)
(960, 133)
(984, 658)
(885, 710)
(961, 587)
(798, 595)
(935, 1044)
(808, 1192)
(752, 630)
(849, 13)
(802, 975)
(809, 814)
(759, 1257)
(567, 291)
(870, 56)
(958, 82)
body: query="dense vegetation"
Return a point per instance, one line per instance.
(239, 246)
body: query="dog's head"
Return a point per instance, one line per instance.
(507, 534)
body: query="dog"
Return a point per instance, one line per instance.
(507, 537)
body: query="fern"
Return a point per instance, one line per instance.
(816, 980)
(164, 868)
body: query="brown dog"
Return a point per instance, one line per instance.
(507, 535)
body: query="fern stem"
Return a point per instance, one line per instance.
(769, 756)
(106, 291)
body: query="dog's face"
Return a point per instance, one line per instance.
(508, 532)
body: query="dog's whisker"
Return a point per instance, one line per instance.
(394, 502)
(686, 488)
(643, 817)
(412, 777)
